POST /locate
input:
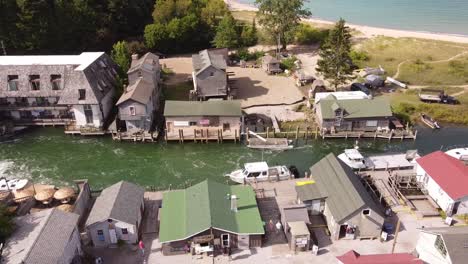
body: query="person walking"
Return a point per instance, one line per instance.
(142, 247)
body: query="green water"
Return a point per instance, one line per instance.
(46, 155)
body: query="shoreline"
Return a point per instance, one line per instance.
(367, 31)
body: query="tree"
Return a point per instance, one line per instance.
(335, 63)
(121, 56)
(249, 35)
(226, 33)
(213, 11)
(280, 17)
(6, 223)
(156, 36)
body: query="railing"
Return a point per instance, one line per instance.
(8, 105)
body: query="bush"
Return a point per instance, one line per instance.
(288, 64)
(245, 54)
(358, 56)
(136, 47)
(305, 35)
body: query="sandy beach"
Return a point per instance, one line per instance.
(367, 31)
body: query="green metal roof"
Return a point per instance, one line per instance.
(355, 108)
(185, 213)
(344, 190)
(205, 108)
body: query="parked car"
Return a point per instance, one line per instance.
(360, 87)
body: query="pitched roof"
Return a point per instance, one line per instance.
(205, 108)
(345, 192)
(309, 192)
(140, 91)
(82, 60)
(188, 212)
(355, 108)
(352, 257)
(148, 61)
(121, 201)
(269, 59)
(207, 58)
(455, 240)
(40, 237)
(448, 172)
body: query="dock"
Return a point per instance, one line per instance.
(389, 162)
(141, 136)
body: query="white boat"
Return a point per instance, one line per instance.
(12, 185)
(354, 159)
(260, 171)
(458, 153)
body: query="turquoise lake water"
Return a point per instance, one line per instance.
(437, 16)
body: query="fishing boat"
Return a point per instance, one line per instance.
(259, 142)
(12, 185)
(429, 121)
(354, 159)
(260, 171)
(458, 153)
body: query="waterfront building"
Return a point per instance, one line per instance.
(203, 120)
(48, 236)
(210, 79)
(295, 220)
(346, 95)
(209, 217)
(116, 215)
(352, 257)
(444, 245)
(445, 179)
(338, 194)
(72, 90)
(141, 98)
(333, 115)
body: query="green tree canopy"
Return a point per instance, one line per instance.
(280, 17)
(335, 63)
(121, 55)
(226, 33)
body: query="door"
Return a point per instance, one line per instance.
(113, 236)
(315, 207)
(88, 111)
(243, 241)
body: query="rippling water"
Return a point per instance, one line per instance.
(47, 155)
(438, 16)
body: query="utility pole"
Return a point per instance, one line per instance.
(397, 230)
(3, 47)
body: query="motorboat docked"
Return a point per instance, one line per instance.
(12, 185)
(458, 153)
(429, 121)
(270, 143)
(354, 159)
(260, 171)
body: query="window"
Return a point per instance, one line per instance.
(253, 174)
(82, 94)
(13, 82)
(211, 73)
(225, 240)
(132, 110)
(35, 82)
(366, 212)
(139, 74)
(102, 64)
(440, 246)
(192, 123)
(55, 81)
(100, 234)
(371, 123)
(124, 231)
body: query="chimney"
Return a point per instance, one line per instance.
(234, 203)
(134, 57)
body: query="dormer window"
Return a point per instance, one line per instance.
(82, 94)
(12, 82)
(35, 82)
(132, 110)
(56, 81)
(338, 112)
(211, 74)
(440, 245)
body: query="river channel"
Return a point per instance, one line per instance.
(47, 155)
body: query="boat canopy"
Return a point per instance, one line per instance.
(256, 166)
(353, 154)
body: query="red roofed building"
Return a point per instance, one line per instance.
(446, 180)
(352, 257)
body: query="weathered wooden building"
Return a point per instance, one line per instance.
(333, 115)
(210, 79)
(341, 198)
(210, 217)
(270, 64)
(207, 120)
(72, 90)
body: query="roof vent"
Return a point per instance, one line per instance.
(135, 56)
(233, 199)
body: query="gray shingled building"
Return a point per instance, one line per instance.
(116, 215)
(440, 245)
(49, 236)
(140, 100)
(209, 75)
(341, 198)
(72, 90)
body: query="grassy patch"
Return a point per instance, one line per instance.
(407, 106)
(287, 126)
(178, 91)
(247, 16)
(421, 56)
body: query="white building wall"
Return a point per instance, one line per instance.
(433, 189)
(132, 236)
(80, 118)
(427, 251)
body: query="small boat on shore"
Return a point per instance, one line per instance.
(12, 184)
(260, 171)
(354, 159)
(429, 121)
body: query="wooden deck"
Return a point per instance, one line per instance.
(202, 135)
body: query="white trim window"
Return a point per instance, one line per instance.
(132, 110)
(372, 123)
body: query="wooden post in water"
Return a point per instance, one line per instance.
(274, 133)
(194, 135)
(306, 135)
(415, 134)
(268, 132)
(217, 133)
(297, 132)
(182, 133)
(165, 134)
(235, 135)
(247, 135)
(207, 135)
(221, 135)
(316, 132)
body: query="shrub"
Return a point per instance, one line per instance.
(358, 56)
(305, 35)
(245, 54)
(288, 64)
